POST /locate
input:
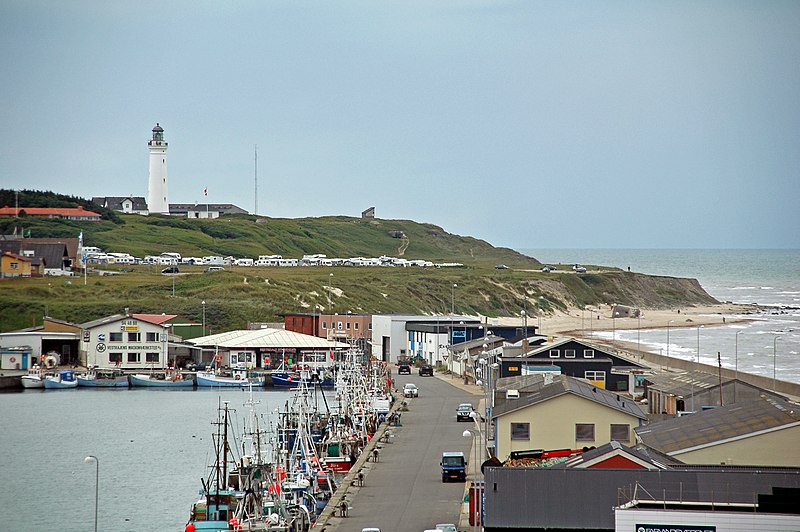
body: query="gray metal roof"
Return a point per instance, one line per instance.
(102, 321)
(534, 389)
(718, 424)
(655, 459)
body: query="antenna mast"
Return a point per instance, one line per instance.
(256, 177)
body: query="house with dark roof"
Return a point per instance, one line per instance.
(614, 455)
(559, 412)
(578, 358)
(125, 204)
(763, 432)
(669, 393)
(204, 210)
(51, 258)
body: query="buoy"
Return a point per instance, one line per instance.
(189, 527)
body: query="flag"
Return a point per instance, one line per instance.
(205, 191)
(80, 240)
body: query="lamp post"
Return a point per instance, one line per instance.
(774, 361)
(639, 332)
(670, 321)
(204, 316)
(698, 361)
(453, 298)
(524, 331)
(472, 433)
(330, 289)
(539, 312)
(89, 459)
(591, 322)
(614, 329)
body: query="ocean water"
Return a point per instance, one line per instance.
(769, 345)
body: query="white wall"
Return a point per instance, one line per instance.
(627, 519)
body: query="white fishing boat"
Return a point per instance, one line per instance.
(34, 378)
(171, 378)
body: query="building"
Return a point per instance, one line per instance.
(670, 393)
(368, 213)
(125, 342)
(64, 213)
(204, 210)
(576, 498)
(52, 337)
(559, 412)
(393, 341)
(124, 204)
(581, 359)
(13, 265)
(51, 255)
(157, 189)
(763, 432)
(354, 329)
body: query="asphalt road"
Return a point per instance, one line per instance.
(403, 491)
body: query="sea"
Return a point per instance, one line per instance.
(153, 447)
(767, 345)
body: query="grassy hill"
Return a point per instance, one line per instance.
(239, 295)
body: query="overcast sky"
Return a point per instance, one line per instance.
(528, 124)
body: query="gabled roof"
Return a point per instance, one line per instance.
(720, 425)
(115, 202)
(102, 321)
(155, 319)
(266, 338)
(225, 208)
(640, 455)
(537, 390)
(558, 342)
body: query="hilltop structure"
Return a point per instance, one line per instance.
(157, 187)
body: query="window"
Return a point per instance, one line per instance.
(620, 433)
(569, 353)
(347, 325)
(134, 357)
(134, 337)
(14, 265)
(521, 431)
(369, 327)
(151, 357)
(339, 325)
(324, 325)
(355, 326)
(114, 337)
(584, 431)
(115, 358)
(588, 353)
(554, 353)
(595, 376)
(152, 337)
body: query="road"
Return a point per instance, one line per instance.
(403, 491)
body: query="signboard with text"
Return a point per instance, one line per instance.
(675, 528)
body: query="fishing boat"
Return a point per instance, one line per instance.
(62, 380)
(284, 379)
(234, 378)
(171, 378)
(103, 378)
(34, 378)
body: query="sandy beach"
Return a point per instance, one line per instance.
(599, 318)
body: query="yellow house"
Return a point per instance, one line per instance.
(561, 412)
(762, 432)
(13, 265)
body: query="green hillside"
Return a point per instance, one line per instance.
(240, 295)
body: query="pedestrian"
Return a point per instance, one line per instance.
(360, 478)
(374, 455)
(343, 508)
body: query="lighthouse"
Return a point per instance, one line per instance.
(157, 187)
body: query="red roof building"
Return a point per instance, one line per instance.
(67, 213)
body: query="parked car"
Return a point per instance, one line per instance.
(214, 269)
(404, 369)
(426, 370)
(580, 269)
(464, 412)
(171, 269)
(446, 527)
(371, 529)
(501, 267)
(547, 269)
(410, 390)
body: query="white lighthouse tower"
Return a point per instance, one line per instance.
(157, 187)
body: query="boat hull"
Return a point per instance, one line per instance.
(119, 382)
(50, 384)
(146, 382)
(288, 380)
(205, 379)
(31, 382)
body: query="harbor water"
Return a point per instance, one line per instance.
(153, 446)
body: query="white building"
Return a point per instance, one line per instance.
(395, 336)
(157, 186)
(124, 342)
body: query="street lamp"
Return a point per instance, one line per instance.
(472, 433)
(330, 289)
(204, 316)
(539, 313)
(698, 361)
(670, 321)
(453, 298)
(614, 329)
(736, 362)
(774, 361)
(89, 459)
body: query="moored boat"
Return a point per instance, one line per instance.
(63, 380)
(169, 379)
(34, 378)
(236, 378)
(100, 378)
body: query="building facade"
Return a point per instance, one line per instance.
(122, 341)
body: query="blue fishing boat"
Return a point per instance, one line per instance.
(63, 380)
